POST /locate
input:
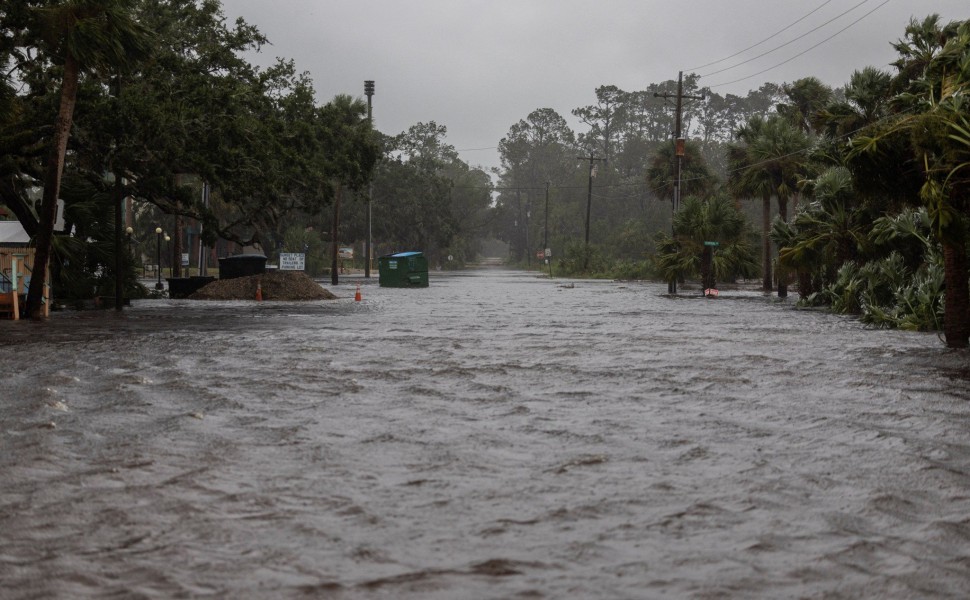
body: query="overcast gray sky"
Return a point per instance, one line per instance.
(479, 66)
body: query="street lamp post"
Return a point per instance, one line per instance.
(369, 92)
(130, 232)
(158, 257)
(171, 254)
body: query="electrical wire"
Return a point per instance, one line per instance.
(810, 31)
(803, 52)
(764, 53)
(772, 36)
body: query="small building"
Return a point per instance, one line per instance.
(12, 235)
(16, 263)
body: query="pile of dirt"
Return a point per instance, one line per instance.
(276, 285)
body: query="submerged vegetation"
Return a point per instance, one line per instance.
(857, 197)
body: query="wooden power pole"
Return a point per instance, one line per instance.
(679, 145)
(589, 203)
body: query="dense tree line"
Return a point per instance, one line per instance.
(155, 100)
(629, 136)
(876, 174)
(154, 94)
(859, 193)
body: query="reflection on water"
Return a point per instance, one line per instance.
(495, 435)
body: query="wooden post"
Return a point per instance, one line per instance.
(10, 301)
(15, 289)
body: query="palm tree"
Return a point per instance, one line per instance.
(922, 42)
(87, 35)
(707, 220)
(933, 119)
(770, 162)
(744, 184)
(696, 178)
(824, 235)
(866, 102)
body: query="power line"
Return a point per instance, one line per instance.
(777, 33)
(810, 31)
(807, 50)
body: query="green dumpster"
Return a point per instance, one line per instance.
(404, 269)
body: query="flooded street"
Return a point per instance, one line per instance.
(496, 435)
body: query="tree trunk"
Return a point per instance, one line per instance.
(766, 281)
(956, 312)
(707, 268)
(781, 274)
(336, 224)
(52, 187)
(805, 286)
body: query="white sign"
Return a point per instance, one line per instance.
(292, 261)
(185, 259)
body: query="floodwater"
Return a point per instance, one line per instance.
(496, 435)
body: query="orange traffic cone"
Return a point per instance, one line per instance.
(357, 295)
(259, 292)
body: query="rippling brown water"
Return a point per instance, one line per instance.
(493, 436)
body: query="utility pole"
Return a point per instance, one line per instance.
(518, 221)
(369, 92)
(119, 264)
(679, 141)
(528, 247)
(203, 256)
(589, 202)
(545, 234)
(334, 261)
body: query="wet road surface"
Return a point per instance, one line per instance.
(496, 435)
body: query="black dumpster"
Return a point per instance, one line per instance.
(183, 287)
(241, 265)
(404, 269)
